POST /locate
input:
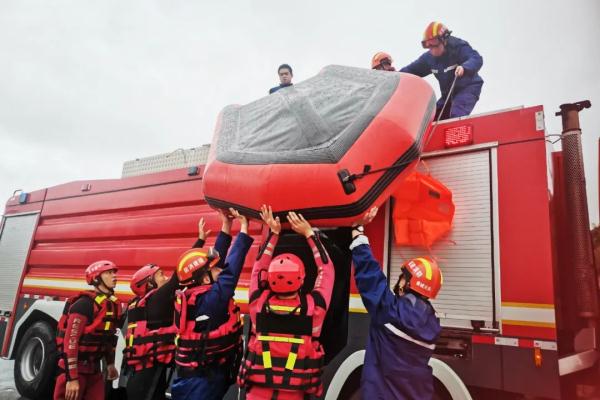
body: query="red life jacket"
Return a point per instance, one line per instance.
(282, 353)
(145, 346)
(200, 345)
(99, 335)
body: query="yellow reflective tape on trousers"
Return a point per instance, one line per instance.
(280, 339)
(267, 359)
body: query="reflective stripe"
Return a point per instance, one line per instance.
(193, 254)
(130, 340)
(132, 325)
(267, 359)
(405, 336)
(280, 339)
(268, 252)
(109, 313)
(434, 71)
(100, 299)
(107, 326)
(450, 68)
(435, 29)
(283, 308)
(428, 271)
(113, 299)
(291, 361)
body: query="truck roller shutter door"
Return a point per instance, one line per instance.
(466, 254)
(15, 240)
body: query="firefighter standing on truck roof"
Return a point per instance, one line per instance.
(86, 335)
(284, 359)
(382, 61)
(450, 58)
(209, 343)
(150, 338)
(403, 328)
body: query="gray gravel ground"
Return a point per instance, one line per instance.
(7, 382)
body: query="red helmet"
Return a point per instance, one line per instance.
(434, 34)
(379, 57)
(286, 273)
(141, 279)
(92, 273)
(193, 263)
(424, 276)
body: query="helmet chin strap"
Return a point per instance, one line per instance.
(101, 283)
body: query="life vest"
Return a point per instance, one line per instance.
(423, 211)
(282, 352)
(144, 347)
(99, 335)
(201, 345)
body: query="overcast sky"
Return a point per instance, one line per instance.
(86, 85)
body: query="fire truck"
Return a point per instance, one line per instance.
(519, 304)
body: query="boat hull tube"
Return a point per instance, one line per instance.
(302, 149)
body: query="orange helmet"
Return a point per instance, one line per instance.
(434, 34)
(143, 279)
(194, 263)
(379, 57)
(286, 273)
(424, 276)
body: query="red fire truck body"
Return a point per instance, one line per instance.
(507, 316)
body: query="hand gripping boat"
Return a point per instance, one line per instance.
(316, 147)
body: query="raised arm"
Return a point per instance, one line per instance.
(265, 253)
(370, 280)
(325, 270)
(228, 278)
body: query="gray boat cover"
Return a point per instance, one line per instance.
(315, 121)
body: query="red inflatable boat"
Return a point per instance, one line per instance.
(316, 147)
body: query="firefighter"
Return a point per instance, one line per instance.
(403, 328)
(285, 78)
(209, 343)
(150, 338)
(87, 334)
(449, 58)
(382, 61)
(284, 358)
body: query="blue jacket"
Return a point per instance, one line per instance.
(458, 52)
(402, 334)
(276, 88)
(214, 304)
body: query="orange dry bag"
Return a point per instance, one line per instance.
(423, 211)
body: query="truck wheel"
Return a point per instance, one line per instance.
(439, 391)
(35, 362)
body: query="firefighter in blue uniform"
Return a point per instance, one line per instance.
(403, 328)
(213, 304)
(449, 57)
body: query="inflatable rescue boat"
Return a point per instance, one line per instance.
(330, 147)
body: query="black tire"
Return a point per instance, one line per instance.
(440, 391)
(35, 362)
